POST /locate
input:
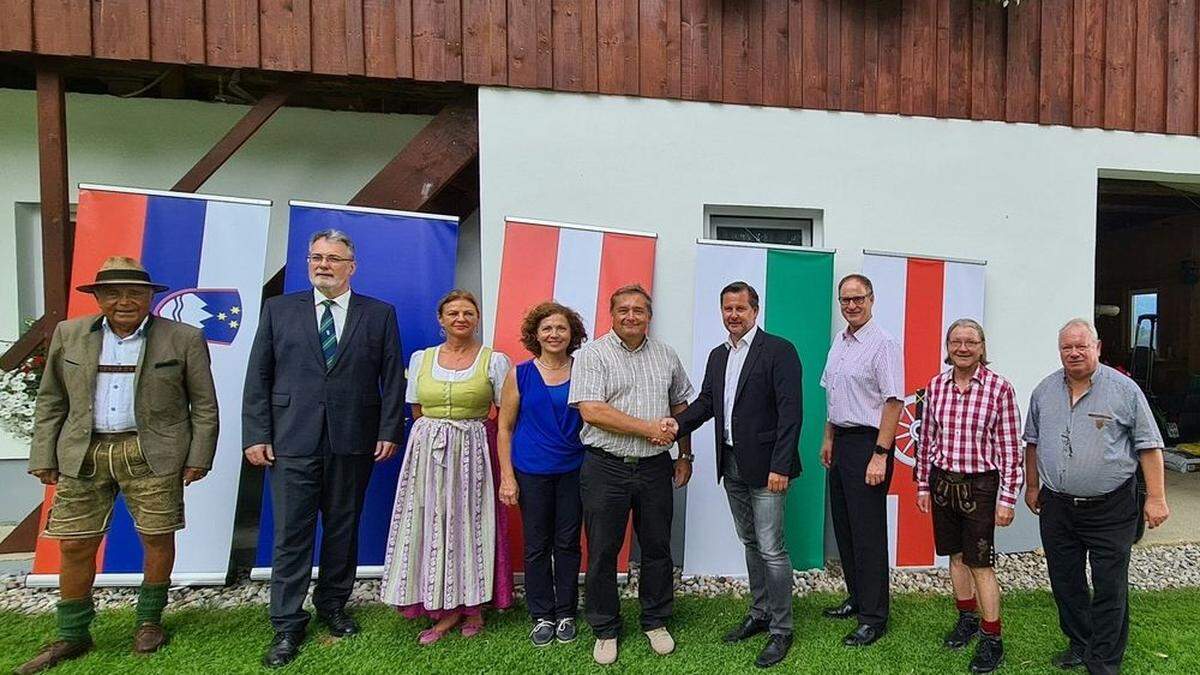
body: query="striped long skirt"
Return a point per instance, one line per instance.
(441, 552)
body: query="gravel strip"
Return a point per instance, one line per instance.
(1151, 568)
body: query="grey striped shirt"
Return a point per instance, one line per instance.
(1092, 447)
(643, 383)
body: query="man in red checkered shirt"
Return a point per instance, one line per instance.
(969, 465)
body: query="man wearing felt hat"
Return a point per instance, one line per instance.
(126, 405)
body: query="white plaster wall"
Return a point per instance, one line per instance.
(1021, 196)
(299, 154)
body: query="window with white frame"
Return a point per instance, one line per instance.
(763, 225)
(29, 259)
(1142, 332)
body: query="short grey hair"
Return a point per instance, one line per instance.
(332, 235)
(1091, 328)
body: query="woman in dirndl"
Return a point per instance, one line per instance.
(443, 546)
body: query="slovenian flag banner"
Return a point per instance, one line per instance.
(916, 300)
(795, 289)
(578, 266)
(210, 252)
(408, 260)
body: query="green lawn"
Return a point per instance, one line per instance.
(1164, 638)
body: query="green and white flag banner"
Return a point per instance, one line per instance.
(795, 289)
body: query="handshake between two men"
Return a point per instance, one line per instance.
(663, 432)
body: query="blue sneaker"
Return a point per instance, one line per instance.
(565, 631)
(542, 633)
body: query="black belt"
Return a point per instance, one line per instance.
(620, 458)
(854, 431)
(1087, 501)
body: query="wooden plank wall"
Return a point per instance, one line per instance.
(1117, 64)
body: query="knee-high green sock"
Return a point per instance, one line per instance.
(74, 619)
(151, 601)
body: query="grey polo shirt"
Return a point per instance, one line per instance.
(642, 383)
(1091, 448)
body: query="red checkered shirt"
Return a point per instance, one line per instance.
(972, 432)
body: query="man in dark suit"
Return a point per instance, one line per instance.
(323, 401)
(752, 387)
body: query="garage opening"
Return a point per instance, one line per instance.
(1147, 305)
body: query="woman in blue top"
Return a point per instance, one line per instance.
(540, 454)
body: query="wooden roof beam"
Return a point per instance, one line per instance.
(430, 162)
(57, 235)
(241, 132)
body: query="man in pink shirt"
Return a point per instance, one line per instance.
(863, 381)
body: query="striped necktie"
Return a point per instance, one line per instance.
(328, 334)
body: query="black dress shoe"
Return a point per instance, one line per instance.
(845, 610)
(989, 654)
(864, 635)
(1067, 660)
(283, 650)
(339, 623)
(775, 650)
(749, 627)
(964, 631)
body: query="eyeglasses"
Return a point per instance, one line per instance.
(317, 259)
(959, 344)
(856, 300)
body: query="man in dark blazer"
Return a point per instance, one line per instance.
(752, 388)
(323, 401)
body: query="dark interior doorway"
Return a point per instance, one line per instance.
(1147, 269)
(1147, 305)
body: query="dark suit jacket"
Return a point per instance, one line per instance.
(767, 409)
(290, 397)
(175, 402)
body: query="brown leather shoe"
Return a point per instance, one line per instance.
(54, 654)
(149, 638)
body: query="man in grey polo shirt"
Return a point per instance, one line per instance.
(625, 384)
(1089, 429)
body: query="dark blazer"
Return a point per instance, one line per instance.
(289, 395)
(767, 409)
(174, 400)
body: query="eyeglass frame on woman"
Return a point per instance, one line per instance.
(317, 259)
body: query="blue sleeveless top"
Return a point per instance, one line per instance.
(546, 436)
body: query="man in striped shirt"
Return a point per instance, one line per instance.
(969, 460)
(864, 392)
(625, 385)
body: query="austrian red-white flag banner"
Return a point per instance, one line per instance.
(578, 266)
(916, 300)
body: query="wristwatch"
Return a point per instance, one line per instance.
(686, 457)
(887, 452)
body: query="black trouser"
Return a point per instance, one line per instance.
(610, 488)
(1099, 531)
(860, 522)
(335, 486)
(550, 518)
